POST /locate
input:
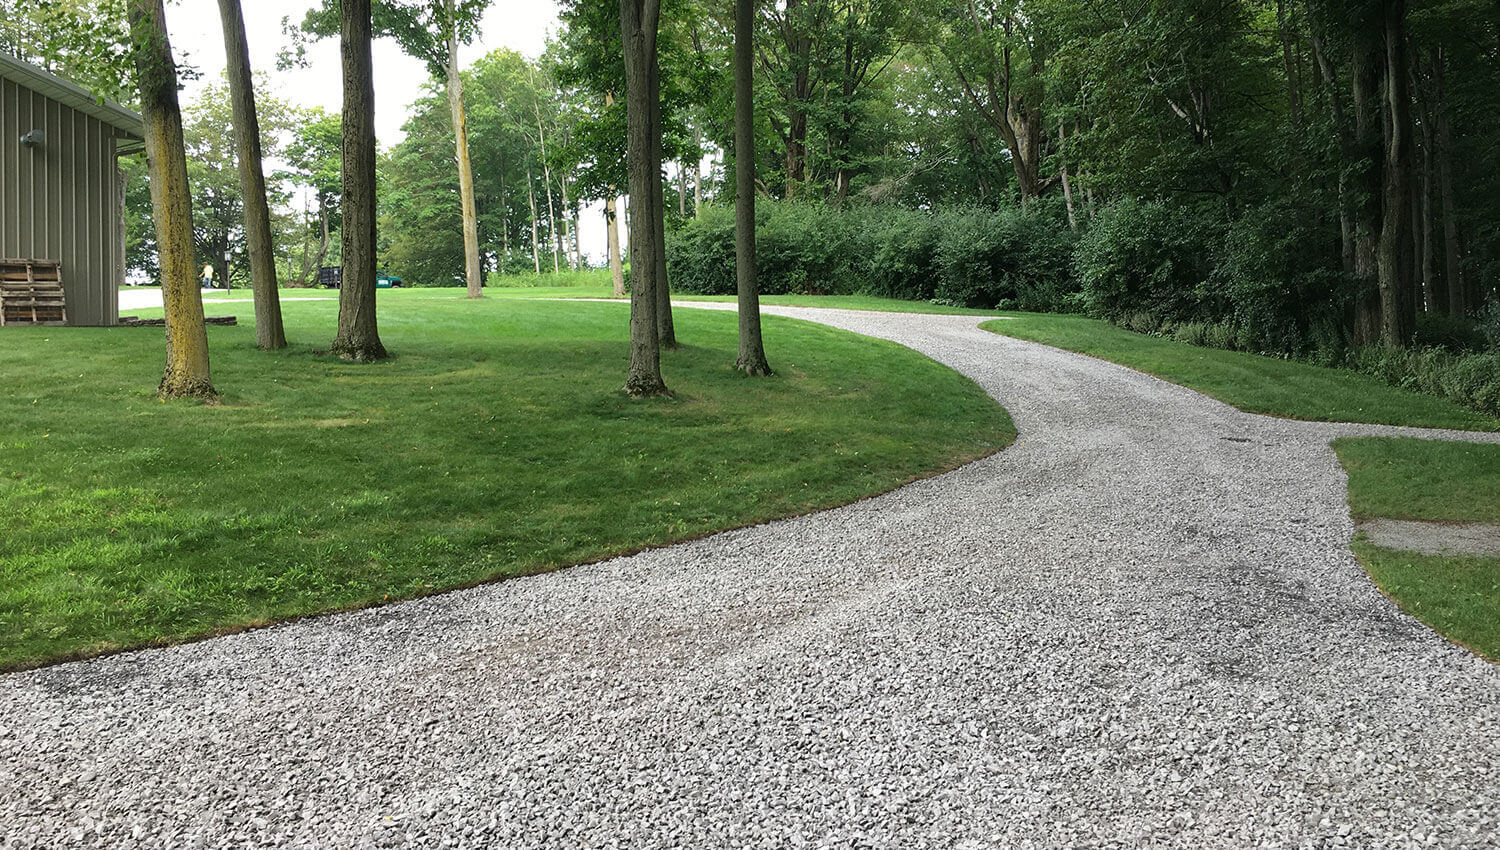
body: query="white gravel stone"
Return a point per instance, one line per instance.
(1140, 625)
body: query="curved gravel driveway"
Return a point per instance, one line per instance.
(1141, 625)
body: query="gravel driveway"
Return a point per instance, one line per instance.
(1141, 625)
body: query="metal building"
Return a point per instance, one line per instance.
(61, 193)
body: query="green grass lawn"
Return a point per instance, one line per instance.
(1250, 382)
(496, 443)
(1458, 596)
(1432, 481)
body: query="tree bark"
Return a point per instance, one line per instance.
(568, 227)
(541, 136)
(473, 274)
(358, 337)
(270, 333)
(666, 330)
(1453, 270)
(1367, 155)
(612, 234)
(187, 370)
(536, 252)
(1393, 260)
(638, 33)
(752, 353)
(1066, 183)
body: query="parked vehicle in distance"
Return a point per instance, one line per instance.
(332, 277)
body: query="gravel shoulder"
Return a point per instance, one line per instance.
(1140, 625)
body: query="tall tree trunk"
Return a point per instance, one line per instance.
(1393, 261)
(358, 337)
(1453, 270)
(1435, 296)
(799, 56)
(638, 31)
(473, 274)
(682, 189)
(666, 331)
(752, 354)
(536, 254)
(1066, 183)
(1367, 154)
(1293, 94)
(269, 331)
(541, 136)
(568, 226)
(697, 171)
(187, 372)
(612, 238)
(612, 227)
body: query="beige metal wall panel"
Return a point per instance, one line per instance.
(59, 201)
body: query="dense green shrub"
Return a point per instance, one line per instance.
(1269, 284)
(1472, 380)
(967, 256)
(1147, 256)
(1450, 333)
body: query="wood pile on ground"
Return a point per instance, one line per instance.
(31, 293)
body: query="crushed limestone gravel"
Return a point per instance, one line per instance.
(1140, 625)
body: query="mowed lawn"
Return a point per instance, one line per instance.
(1431, 481)
(1250, 382)
(496, 443)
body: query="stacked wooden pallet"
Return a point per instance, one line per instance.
(31, 293)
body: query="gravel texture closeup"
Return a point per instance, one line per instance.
(1140, 625)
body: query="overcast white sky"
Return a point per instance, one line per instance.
(197, 38)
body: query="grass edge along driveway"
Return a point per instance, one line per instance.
(495, 444)
(1399, 478)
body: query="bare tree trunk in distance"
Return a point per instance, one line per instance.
(612, 228)
(1367, 71)
(1395, 233)
(612, 234)
(473, 274)
(752, 355)
(638, 30)
(1436, 296)
(541, 137)
(358, 337)
(1066, 183)
(269, 332)
(1453, 270)
(536, 254)
(186, 373)
(666, 329)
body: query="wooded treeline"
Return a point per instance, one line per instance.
(1302, 175)
(1322, 172)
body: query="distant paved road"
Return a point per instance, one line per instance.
(1141, 625)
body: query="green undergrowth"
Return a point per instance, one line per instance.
(495, 443)
(1250, 382)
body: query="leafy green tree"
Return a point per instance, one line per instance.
(432, 30)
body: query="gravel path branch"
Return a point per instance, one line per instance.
(1140, 625)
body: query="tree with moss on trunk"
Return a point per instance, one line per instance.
(187, 371)
(358, 336)
(638, 35)
(269, 331)
(752, 354)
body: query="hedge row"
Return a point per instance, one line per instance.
(967, 256)
(1260, 282)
